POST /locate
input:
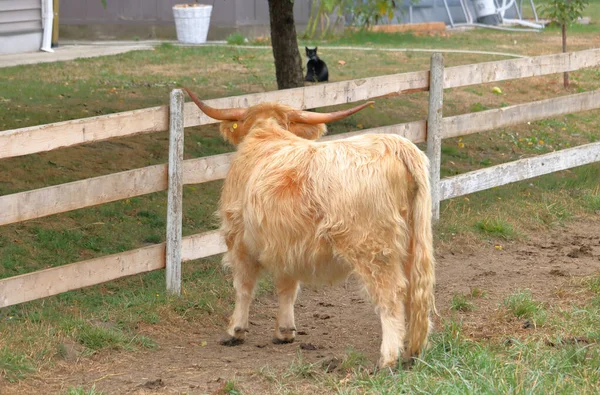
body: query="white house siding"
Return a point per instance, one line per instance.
(20, 26)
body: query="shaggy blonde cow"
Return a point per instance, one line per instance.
(314, 212)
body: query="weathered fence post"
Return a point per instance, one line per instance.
(434, 129)
(175, 199)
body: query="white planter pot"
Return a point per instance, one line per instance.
(192, 22)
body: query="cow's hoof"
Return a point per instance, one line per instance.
(234, 340)
(408, 363)
(282, 341)
(408, 360)
(387, 365)
(387, 371)
(230, 341)
(284, 335)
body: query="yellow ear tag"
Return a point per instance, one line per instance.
(235, 125)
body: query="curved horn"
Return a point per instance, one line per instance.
(313, 118)
(223, 114)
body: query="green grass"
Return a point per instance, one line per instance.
(236, 38)
(496, 228)
(460, 302)
(95, 338)
(594, 284)
(476, 292)
(82, 391)
(522, 305)
(553, 213)
(300, 368)
(13, 365)
(409, 40)
(577, 325)
(354, 360)
(476, 107)
(592, 201)
(453, 152)
(230, 388)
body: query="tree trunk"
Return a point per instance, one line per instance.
(564, 45)
(288, 63)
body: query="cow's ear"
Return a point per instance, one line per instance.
(232, 132)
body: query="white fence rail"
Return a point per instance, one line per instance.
(172, 176)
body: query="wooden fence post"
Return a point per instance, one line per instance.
(434, 129)
(175, 199)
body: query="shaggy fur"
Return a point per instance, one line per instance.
(314, 212)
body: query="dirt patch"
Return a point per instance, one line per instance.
(332, 320)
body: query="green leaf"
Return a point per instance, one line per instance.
(564, 11)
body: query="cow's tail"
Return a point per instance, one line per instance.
(420, 268)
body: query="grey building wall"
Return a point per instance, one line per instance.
(20, 26)
(154, 18)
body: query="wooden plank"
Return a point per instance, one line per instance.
(482, 73)
(56, 280)
(56, 199)
(38, 203)
(202, 245)
(48, 282)
(461, 125)
(315, 96)
(391, 85)
(65, 197)
(519, 170)
(53, 281)
(414, 131)
(434, 130)
(62, 134)
(42, 138)
(175, 196)
(44, 283)
(208, 168)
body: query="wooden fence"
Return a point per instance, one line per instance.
(172, 176)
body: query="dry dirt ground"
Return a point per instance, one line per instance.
(331, 320)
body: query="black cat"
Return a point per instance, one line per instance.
(316, 69)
